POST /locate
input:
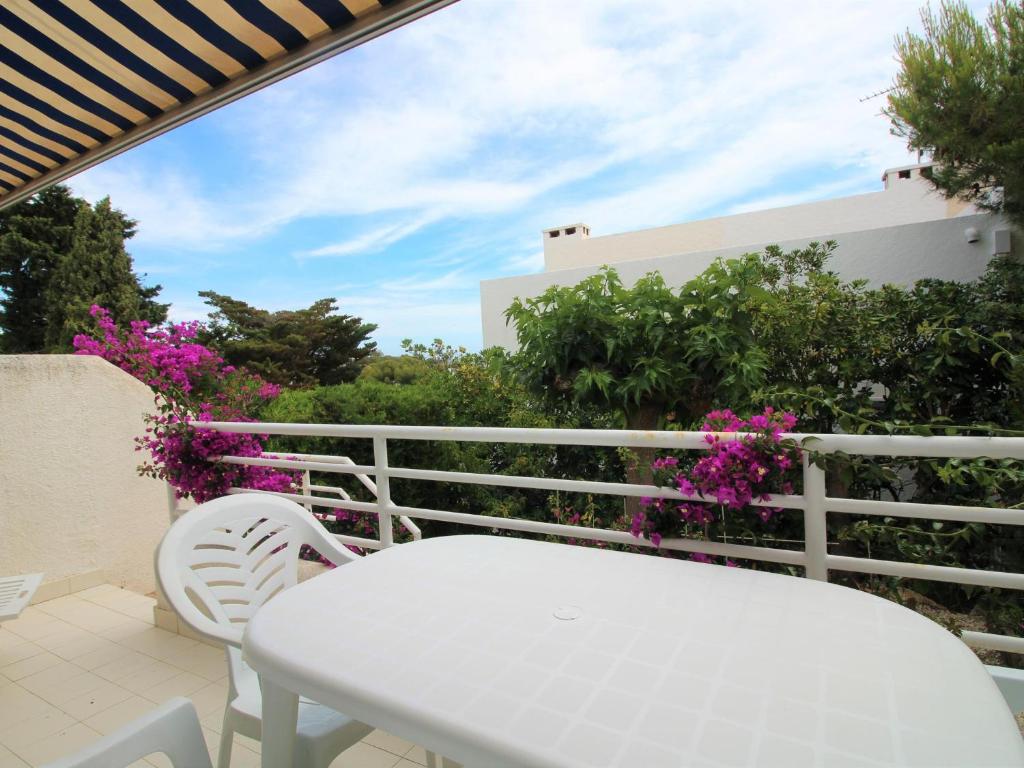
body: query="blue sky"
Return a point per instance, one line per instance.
(396, 176)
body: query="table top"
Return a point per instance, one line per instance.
(506, 652)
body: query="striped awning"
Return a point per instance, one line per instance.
(81, 80)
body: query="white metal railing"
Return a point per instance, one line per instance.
(308, 488)
(815, 503)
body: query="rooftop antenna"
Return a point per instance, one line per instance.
(876, 94)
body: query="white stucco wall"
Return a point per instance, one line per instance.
(903, 201)
(71, 503)
(898, 254)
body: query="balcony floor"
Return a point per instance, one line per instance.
(79, 666)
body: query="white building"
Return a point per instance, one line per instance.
(903, 233)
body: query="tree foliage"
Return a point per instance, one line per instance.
(647, 350)
(59, 256)
(295, 348)
(959, 97)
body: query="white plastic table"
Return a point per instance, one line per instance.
(505, 652)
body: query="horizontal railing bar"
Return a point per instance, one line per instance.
(576, 486)
(309, 457)
(938, 446)
(312, 466)
(1006, 643)
(784, 556)
(517, 481)
(328, 489)
(788, 557)
(994, 515)
(978, 578)
(357, 541)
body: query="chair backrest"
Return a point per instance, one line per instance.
(232, 554)
(172, 728)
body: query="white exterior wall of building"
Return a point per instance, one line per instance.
(893, 254)
(71, 502)
(903, 201)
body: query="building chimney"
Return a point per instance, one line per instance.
(569, 231)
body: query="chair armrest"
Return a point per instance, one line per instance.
(172, 728)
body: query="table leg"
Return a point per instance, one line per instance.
(280, 714)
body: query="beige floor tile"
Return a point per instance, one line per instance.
(12, 654)
(10, 760)
(158, 643)
(72, 649)
(365, 756)
(388, 742)
(144, 679)
(129, 628)
(65, 742)
(241, 755)
(95, 618)
(59, 690)
(127, 603)
(212, 721)
(96, 594)
(213, 669)
(114, 717)
(128, 664)
(9, 639)
(60, 606)
(67, 635)
(32, 666)
(35, 728)
(182, 684)
(102, 652)
(18, 705)
(103, 696)
(201, 659)
(210, 699)
(416, 755)
(33, 626)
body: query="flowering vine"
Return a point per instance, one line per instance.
(733, 472)
(191, 383)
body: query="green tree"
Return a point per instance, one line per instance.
(395, 369)
(293, 348)
(58, 256)
(96, 270)
(33, 235)
(644, 351)
(647, 350)
(959, 97)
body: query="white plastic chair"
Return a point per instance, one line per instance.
(230, 556)
(172, 728)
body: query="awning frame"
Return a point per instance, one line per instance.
(362, 30)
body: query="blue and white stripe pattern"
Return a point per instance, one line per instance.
(82, 78)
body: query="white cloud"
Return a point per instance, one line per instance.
(369, 242)
(484, 107)
(526, 263)
(527, 115)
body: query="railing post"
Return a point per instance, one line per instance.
(172, 503)
(383, 478)
(306, 490)
(815, 530)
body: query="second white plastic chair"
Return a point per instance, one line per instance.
(230, 556)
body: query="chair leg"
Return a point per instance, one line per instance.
(431, 760)
(227, 739)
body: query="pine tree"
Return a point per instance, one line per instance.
(58, 256)
(33, 235)
(295, 348)
(959, 97)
